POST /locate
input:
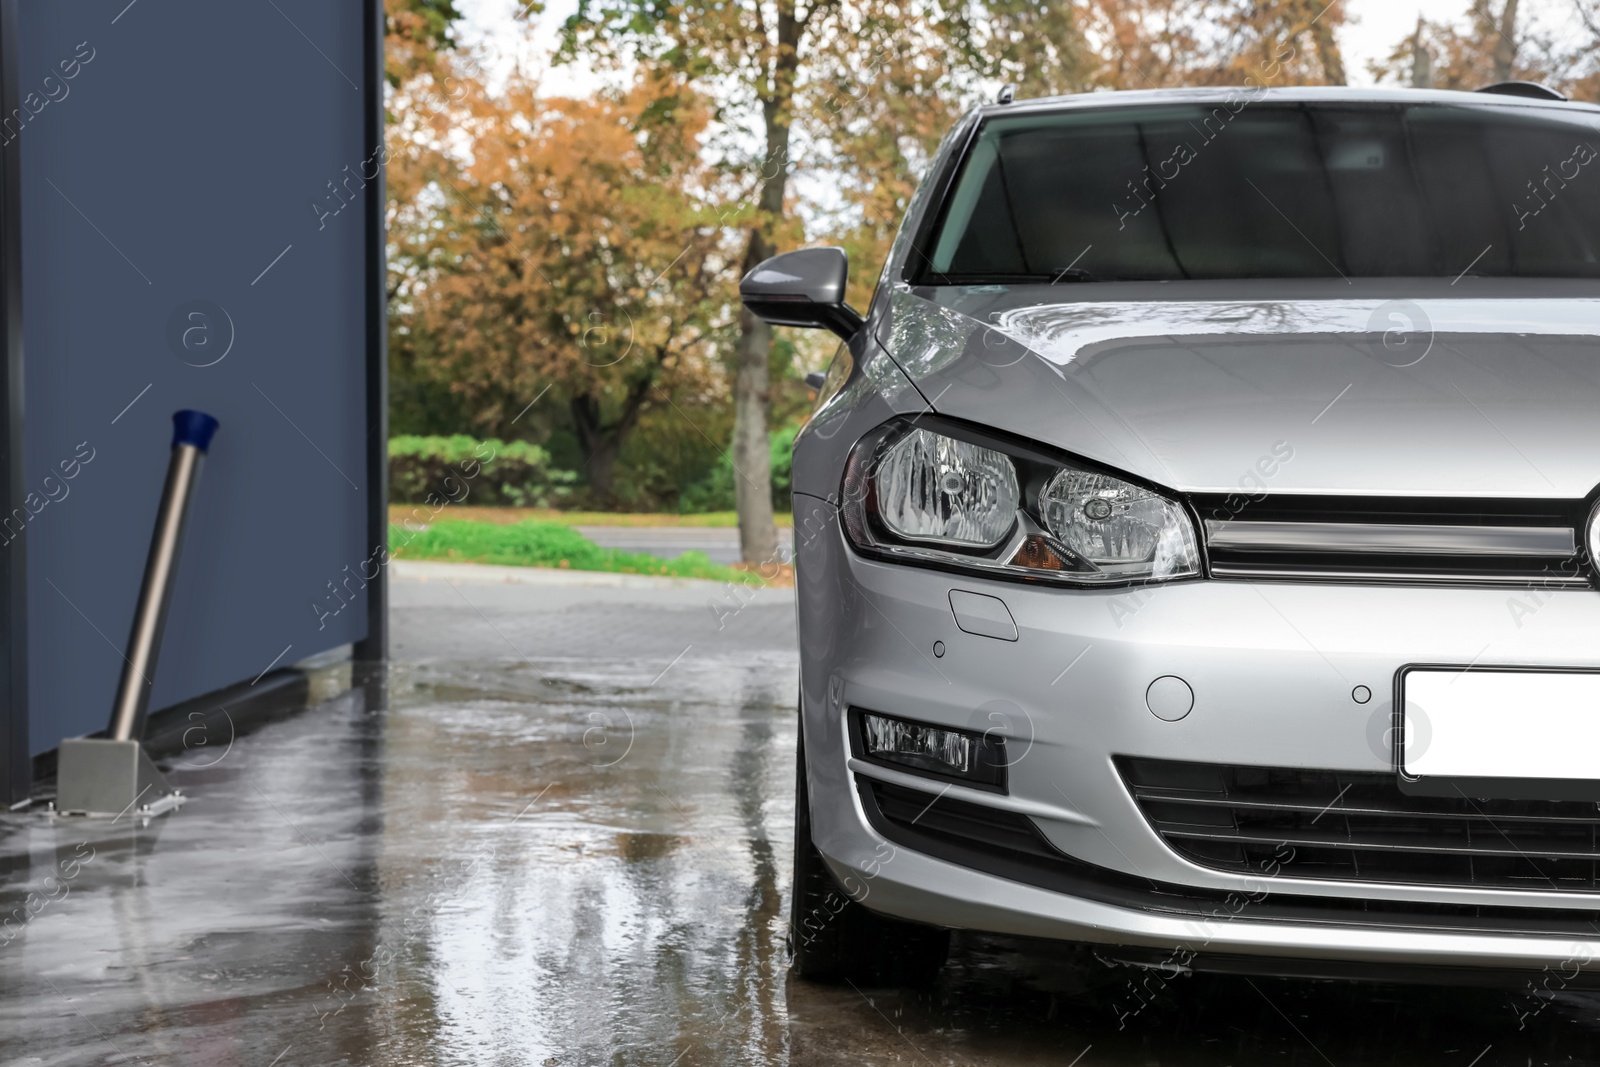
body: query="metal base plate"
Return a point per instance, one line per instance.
(104, 778)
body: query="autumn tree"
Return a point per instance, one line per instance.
(415, 33)
(1282, 42)
(1082, 45)
(755, 57)
(1581, 78)
(559, 250)
(872, 116)
(1496, 44)
(1160, 44)
(1442, 55)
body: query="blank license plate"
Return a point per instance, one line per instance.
(1490, 733)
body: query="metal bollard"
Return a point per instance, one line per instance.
(113, 775)
(191, 437)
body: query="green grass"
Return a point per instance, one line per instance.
(547, 544)
(419, 513)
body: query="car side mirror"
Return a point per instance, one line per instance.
(804, 288)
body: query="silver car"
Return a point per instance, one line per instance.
(1196, 540)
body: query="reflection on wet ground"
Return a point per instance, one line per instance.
(558, 832)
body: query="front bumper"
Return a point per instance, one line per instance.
(1273, 669)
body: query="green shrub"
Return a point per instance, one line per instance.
(546, 544)
(463, 470)
(714, 492)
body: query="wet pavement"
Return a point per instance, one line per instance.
(558, 832)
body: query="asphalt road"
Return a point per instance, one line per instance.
(558, 833)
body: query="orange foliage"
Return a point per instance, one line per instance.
(558, 249)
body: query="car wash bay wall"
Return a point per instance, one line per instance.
(197, 190)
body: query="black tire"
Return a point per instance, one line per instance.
(833, 938)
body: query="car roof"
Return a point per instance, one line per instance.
(1317, 94)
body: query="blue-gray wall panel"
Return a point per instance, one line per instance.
(182, 158)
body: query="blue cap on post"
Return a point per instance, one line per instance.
(193, 428)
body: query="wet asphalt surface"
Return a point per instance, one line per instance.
(558, 831)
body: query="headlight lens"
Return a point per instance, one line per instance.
(1119, 526)
(934, 488)
(920, 493)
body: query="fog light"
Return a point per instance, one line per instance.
(938, 751)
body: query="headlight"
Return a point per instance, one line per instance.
(937, 489)
(1118, 526)
(934, 492)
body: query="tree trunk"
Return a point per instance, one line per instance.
(602, 467)
(1328, 54)
(601, 442)
(1421, 60)
(1505, 46)
(599, 445)
(752, 454)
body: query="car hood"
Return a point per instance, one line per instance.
(1491, 388)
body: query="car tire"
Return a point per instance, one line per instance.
(832, 937)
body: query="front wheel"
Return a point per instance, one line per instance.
(833, 937)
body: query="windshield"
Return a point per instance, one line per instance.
(1256, 190)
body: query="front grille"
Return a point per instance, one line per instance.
(1360, 826)
(1383, 539)
(1008, 845)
